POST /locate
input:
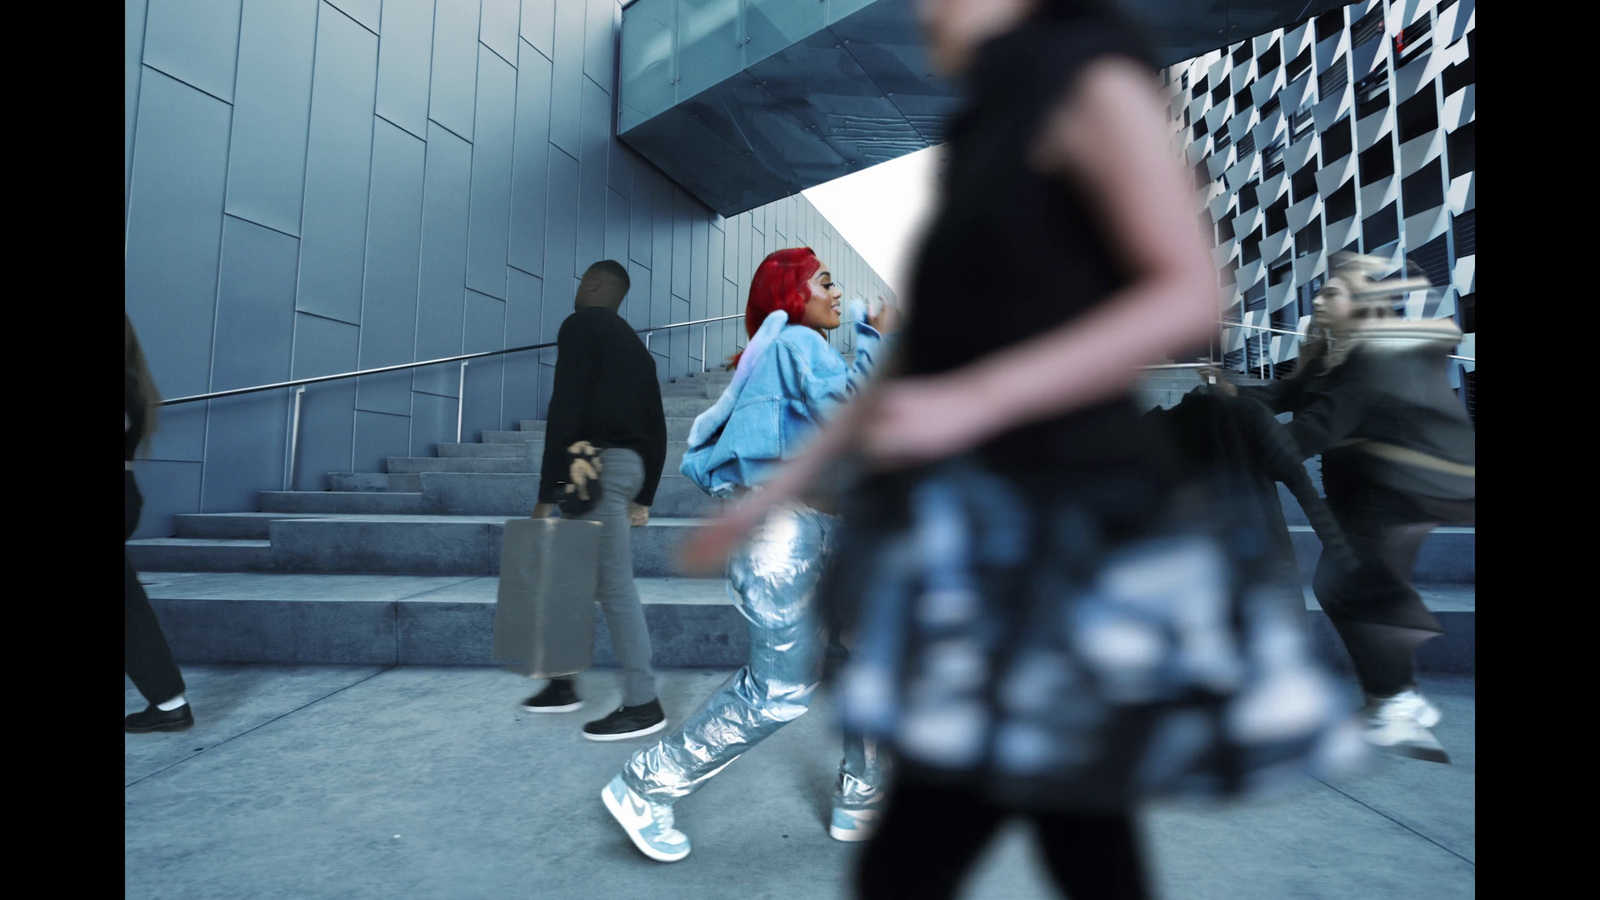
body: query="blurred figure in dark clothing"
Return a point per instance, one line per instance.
(1371, 394)
(1218, 433)
(146, 656)
(1045, 621)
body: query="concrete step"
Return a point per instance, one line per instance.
(454, 493)
(532, 425)
(519, 438)
(497, 450)
(199, 555)
(344, 502)
(677, 426)
(405, 471)
(434, 545)
(677, 433)
(449, 621)
(419, 464)
(451, 493)
(678, 497)
(249, 526)
(470, 545)
(400, 482)
(1449, 555)
(481, 494)
(686, 407)
(695, 389)
(437, 621)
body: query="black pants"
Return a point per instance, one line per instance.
(1373, 605)
(146, 656)
(930, 836)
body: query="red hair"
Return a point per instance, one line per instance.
(779, 283)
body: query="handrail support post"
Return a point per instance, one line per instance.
(294, 439)
(461, 399)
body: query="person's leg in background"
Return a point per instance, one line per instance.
(859, 793)
(146, 656)
(621, 476)
(926, 840)
(775, 576)
(1381, 618)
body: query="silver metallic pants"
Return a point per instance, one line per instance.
(773, 577)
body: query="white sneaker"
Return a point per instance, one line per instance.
(648, 824)
(1411, 702)
(1396, 724)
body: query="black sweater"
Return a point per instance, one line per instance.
(1396, 397)
(605, 393)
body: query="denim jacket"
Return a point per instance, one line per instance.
(788, 382)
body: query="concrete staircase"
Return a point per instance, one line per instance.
(400, 566)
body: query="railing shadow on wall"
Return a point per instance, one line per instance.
(297, 387)
(838, 338)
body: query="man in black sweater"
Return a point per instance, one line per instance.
(606, 393)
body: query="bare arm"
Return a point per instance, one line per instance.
(1108, 139)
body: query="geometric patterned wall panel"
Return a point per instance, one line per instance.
(1353, 130)
(320, 186)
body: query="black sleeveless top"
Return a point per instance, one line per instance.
(134, 407)
(1014, 253)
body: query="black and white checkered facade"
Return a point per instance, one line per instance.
(1353, 130)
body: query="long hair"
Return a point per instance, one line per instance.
(1324, 349)
(779, 284)
(133, 359)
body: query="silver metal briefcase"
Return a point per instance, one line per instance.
(544, 614)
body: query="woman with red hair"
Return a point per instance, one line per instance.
(781, 282)
(787, 382)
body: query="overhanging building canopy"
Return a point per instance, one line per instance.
(743, 102)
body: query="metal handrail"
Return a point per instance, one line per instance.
(1303, 334)
(465, 357)
(217, 395)
(299, 384)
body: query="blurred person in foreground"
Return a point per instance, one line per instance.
(146, 656)
(1371, 394)
(1045, 622)
(786, 383)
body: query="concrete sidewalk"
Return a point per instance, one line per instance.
(349, 782)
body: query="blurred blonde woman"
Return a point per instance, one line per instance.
(1371, 394)
(146, 656)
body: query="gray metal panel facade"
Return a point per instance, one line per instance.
(306, 197)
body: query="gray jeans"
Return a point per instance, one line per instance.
(621, 477)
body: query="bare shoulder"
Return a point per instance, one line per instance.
(1112, 107)
(1112, 91)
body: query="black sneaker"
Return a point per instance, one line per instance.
(156, 719)
(557, 696)
(628, 722)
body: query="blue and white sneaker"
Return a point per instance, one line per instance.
(852, 825)
(648, 824)
(1398, 724)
